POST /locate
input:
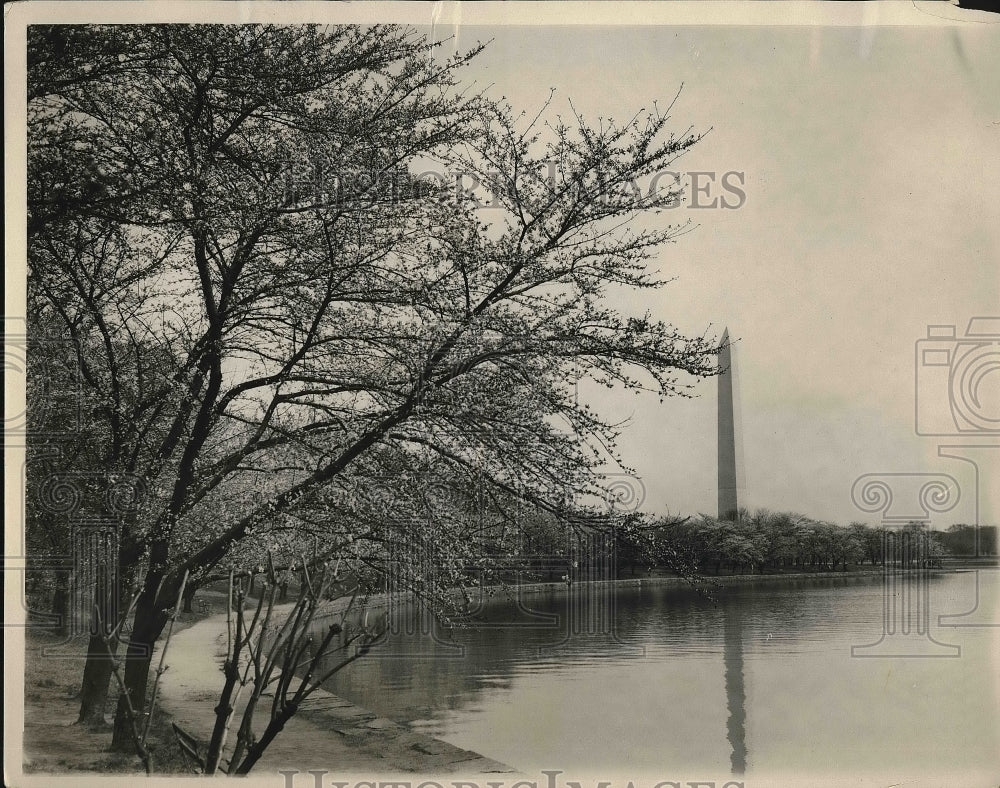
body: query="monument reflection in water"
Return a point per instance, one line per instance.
(732, 653)
(761, 679)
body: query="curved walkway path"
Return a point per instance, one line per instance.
(327, 733)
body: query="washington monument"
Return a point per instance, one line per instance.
(728, 504)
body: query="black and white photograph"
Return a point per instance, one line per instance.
(502, 395)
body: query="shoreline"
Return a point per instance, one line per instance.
(338, 735)
(334, 733)
(328, 732)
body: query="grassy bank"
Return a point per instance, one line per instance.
(54, 741)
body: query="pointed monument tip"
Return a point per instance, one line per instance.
(728, 495)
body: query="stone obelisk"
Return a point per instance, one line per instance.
(728, 504)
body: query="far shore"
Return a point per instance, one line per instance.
(498, 593)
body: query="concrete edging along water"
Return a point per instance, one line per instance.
(332, 733)
(626, 582)
(532, 589)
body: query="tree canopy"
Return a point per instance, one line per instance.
(226, 224)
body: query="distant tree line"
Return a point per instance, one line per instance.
(961, 539)
(766, 541)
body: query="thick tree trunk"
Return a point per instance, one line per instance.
(189, 590)
(149, 623)
(97, 670)
(275, 726)
(96, 679)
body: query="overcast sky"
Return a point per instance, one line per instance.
(872, 179)
(871, 162)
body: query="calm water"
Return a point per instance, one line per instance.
(669, 680)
